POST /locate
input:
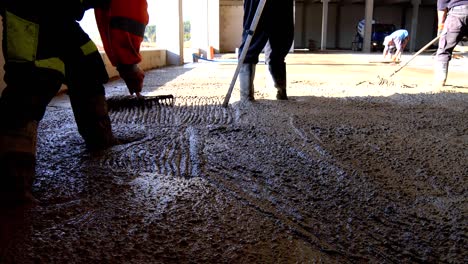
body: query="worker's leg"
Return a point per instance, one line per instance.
(258, 41)
(32, 78)
(454, 30)
(281, 35)
(85, 75)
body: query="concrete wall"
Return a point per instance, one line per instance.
(205, 27)
(427, 26)
(2, 61)
(151, 59)
(231, 13)
(169, 30)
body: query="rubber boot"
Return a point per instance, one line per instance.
(440, 74)
(94, 125)
(246, 80)
(277, 79)
(17, 165)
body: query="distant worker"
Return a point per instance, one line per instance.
(396, 41)
(275, 34)
(44, 46)
(452, 18)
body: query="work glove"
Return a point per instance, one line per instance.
(440, 27)
(133, 77)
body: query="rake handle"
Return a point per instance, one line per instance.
(416, 54)
(253, 27)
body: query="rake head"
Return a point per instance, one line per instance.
(116, 103)
(384, 81)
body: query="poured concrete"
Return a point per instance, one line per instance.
(349, 170)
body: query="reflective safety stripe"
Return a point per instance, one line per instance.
(89, 48)
(22, 38)
(129, 25)
(51, 63)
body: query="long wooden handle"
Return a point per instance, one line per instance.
(416, 54)
(253, 27)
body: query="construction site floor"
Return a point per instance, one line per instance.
(356, 167)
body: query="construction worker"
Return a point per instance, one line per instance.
(44, 46)
(274, 33)
(452, 17)
(396, 41)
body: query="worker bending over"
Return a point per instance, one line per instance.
(397, 40)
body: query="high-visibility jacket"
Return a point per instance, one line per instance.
(122, 26)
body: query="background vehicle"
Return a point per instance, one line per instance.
(379, 32)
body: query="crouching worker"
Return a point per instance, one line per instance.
(43, 49)
(395, 43)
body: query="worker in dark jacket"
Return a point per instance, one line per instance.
(452, 18)
(274, 34)
(44, 46)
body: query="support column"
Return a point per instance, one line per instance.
(366, 45)
(303, 23)
(170, 30)
(2, 61)
(205, 29)
(414, 24)
(323, 45)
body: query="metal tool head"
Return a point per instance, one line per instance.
(116, 103)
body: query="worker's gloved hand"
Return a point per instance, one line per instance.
(133, 77)
(440, 27)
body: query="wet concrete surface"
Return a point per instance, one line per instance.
(346, 171)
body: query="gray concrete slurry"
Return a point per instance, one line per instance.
(331, 178)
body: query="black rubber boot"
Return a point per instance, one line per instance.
(92, 119)
(17, 170)
(277, 78)
(17, 165)
(246, 81)
(440, 74)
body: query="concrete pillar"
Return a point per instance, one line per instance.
(170, 30)
(2, 61)
(414, 24)
(366, 45)
(205, 31)
(323, 45)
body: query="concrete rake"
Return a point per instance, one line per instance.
(124, 102)
(386, 81)
(251, 31)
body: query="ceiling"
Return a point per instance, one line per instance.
(376, 2)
